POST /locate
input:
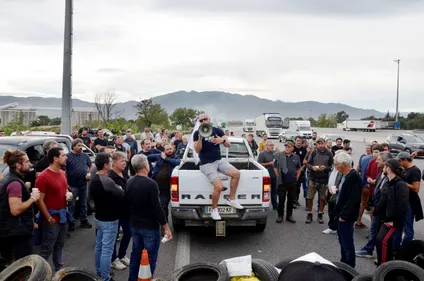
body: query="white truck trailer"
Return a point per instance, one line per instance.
(361, 125)
(270, 124)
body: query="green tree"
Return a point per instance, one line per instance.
(372, 117)
(185, 117)
(332, 121)
(44, 120)
(313, 122)
(56, 121)
(322, 121)
(151, 113)
(341, 116)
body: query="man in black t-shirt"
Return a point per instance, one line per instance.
(300, 151)
(413, 179)
(85, 138)
(100, 142)
(211, 163)
(338, 146)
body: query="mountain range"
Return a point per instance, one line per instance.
(219, 105)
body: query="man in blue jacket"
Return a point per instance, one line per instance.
(165, 164)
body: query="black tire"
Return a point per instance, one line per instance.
(410, 250)
(75, 274)
(264, 271)
(392, 269)
(363, 277)
(29, 268)
(260, 227)
(348, 271)
(419, 260)
(177, 224)
(282, 264)
(204, 271)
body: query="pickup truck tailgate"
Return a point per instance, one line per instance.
(195, 188)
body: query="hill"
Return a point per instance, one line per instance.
(219, 105)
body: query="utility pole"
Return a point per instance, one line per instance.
(66, 126)
(397, 92)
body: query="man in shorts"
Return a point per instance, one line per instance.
(211, 163)
(319, 165)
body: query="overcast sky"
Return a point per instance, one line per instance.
(294, 50)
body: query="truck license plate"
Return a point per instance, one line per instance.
(221, 210)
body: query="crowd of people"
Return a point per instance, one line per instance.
(387, 188)
(131, 191)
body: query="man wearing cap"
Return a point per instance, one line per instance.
(211, 163)
(413, 179)
(319, 166)
(391, 209)
(287, 166)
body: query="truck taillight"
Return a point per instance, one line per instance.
(266, 189)
(174, 189)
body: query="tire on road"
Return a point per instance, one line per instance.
(29, 268)
(264, 270)
(363, 277)
(282, 264)
(177, 224)
(348, 271)
(204, 271)
(410, 250)
(75, 274)
(396, 268)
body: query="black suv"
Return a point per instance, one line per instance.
(33, 146)
(406, 142)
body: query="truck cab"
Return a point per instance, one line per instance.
(191, 191)
(303, 127)
(270, 124)
(249, 125)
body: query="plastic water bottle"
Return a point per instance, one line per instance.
(165, 239)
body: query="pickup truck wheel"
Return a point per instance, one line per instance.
(260, 227)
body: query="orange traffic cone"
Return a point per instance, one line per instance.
(144, 273)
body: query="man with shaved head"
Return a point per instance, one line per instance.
(211, 163)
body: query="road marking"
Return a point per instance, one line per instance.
(182, 257)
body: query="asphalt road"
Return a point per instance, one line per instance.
(277, 242)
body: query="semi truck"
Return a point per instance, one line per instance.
(249, 125)
(361, 125)
(303, 127)
(270, 124)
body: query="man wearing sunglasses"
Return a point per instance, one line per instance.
(211, 163)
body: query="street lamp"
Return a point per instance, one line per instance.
(397, 93)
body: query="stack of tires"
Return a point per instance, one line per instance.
(35, 268)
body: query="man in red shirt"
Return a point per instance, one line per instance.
(53, 187)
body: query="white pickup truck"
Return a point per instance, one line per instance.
(191, 191)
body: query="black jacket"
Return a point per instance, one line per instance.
(394, 202)
(11, 225)
(349, 201)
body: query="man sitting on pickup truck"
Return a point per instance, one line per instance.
(211, 163)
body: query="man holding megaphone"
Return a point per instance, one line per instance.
(207, 140)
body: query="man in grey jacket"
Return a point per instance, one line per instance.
(319, 166)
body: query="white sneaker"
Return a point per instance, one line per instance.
(234, 203)
(329, 231)
(117, 264)
(215, 215)
(126, 261)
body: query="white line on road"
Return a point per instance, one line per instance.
(182, 256)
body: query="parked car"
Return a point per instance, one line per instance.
(406, 142)
(33, 146)
(288, 135)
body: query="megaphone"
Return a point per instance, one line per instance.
(205, 130)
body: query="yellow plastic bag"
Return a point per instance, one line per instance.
(245, 278)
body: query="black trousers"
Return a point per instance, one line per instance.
(286, 190)
(331, 208)
(165, 198)
(16, 247)
(298, 186)
(384, 243)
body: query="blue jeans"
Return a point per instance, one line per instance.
(274, 195)
(148, 239)
(125, 240)
(347, 246)
(369, 247)
(53, 240)
(408, 227)
(82, 193)
(105, 241)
